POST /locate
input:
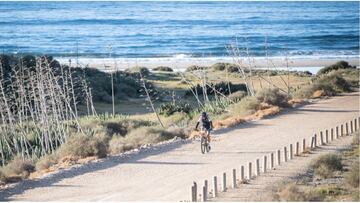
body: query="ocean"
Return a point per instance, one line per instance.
(180, 29)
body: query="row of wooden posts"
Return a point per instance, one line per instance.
(288, 154)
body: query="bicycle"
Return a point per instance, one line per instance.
(204, 142)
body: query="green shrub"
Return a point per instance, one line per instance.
(195, 68)
(338, 65)
(123, 125)
(163, 68)
(338, 83)
(231, 68)
(18, 167)
(126, 85)
(326, 165)
(329, 84)
(138, 69)
(83, 146)
(273, 96)
(169, 109)
(352, 177)
(237, 96)
(221, 87)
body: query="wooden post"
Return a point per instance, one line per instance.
(271, 160)
(297, 149)
(332, 134)
(242, 172)
(257, 167)
(285, 154)
(315, 141)
(265, 164)
(337, 132)
(291, 151)
(342, 130)
(321, 138)
(312, 145)
(355, 125)
(326, 136)
(215, 188)
(249, 171)
(351, 127)
(304, 145)
(206, 185)
(224, 182)
(347, 128)
(278, 157)
(195, 192)
(234, 178)
(193, 199)
(204, 194)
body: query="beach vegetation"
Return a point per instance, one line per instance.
(139, 69)
(196, 68)
(231, 68)
(273, 96)
(337, 66)
(326, 165)
(169, 109)
(163, 69)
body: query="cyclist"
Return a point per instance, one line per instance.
(206, 125)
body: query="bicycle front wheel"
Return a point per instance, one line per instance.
(203, 145)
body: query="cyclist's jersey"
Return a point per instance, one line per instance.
(205, 122)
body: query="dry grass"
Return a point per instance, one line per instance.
(143, 136)
(46, 162)
(352, 178)
(273, 97)
(83, 146)
(16, 170)
(326, 165)
(289, 192)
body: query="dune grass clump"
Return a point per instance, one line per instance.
(237, 96)
(195, 68)
(328, 85)
(273, 97)
(248, 105)
(326, 165)
(18, 168)
(338, 65)
(169, 109)
(142, 136)
(289, 192)
(123, 126)
(47, 161)
(83, 146)
(231, 68)
(138, 69)
(352, 177)
(163, 69)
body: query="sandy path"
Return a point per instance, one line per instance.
(167, 175)
(259, 189)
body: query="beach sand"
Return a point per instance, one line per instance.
(180, 64)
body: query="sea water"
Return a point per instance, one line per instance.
(180, 29)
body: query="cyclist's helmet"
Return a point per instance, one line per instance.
(203, 114)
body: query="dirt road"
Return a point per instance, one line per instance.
(167, 174)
